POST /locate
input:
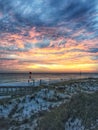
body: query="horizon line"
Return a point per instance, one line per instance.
(52, 72)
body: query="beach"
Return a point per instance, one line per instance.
(27, 111)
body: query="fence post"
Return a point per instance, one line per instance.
(40, 82)
(33, 82)
(30, 77)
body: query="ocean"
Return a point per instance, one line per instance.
(23, 77)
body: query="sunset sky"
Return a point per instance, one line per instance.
(49, 35)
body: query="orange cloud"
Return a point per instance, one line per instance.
(61, 55)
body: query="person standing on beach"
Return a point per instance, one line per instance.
(30, 73)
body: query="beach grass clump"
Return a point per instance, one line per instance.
(84, 106)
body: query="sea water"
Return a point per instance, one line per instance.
(24, 77)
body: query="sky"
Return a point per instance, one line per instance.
(49, 35)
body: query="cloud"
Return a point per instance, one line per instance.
(93, 50)
(44, 44)
(75, 15)
(54, 31)
(95, 58)
(45, 13)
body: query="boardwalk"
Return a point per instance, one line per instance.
(21, 90)
(13, 90)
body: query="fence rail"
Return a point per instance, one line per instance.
(14, 90)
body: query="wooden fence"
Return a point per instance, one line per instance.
(21, 90)
(16, 90)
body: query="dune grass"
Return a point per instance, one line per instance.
(81, 106)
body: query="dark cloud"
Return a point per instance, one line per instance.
(14, 48)
(7, 59)
(28, 46)
(19, 15)
(45, 13)
(93, 50)
(44, 44)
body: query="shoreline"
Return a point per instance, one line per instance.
(44, 81)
